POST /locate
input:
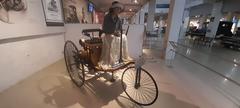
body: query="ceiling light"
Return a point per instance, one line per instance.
(225, 79)
(135, 1)
(130, 9)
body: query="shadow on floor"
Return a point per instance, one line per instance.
(96, 93)
(52, 88)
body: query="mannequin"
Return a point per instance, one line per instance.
(112, 27)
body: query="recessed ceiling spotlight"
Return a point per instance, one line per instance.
(130, 9)
(235, 65)
(135, 1)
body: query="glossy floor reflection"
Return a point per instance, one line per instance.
(203, 85)
(52, 88)
(220, 68)
(184, 85)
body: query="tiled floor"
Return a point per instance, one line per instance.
(184, 85)
(52, 88)
(219, 63)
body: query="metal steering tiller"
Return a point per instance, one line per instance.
(120, 58)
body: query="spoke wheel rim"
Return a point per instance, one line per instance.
(74, 68)
(144, 95)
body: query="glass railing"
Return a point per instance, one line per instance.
(219, 68)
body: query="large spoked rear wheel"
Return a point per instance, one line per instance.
(139, 86)
(73, 63)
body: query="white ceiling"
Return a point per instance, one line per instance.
(103, 5)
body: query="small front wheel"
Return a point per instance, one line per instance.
(139, 86)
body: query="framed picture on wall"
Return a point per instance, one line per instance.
(53, 12)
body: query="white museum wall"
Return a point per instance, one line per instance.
(26, 23)
(23, 58)
(135, 36)
(74, 31)
(27, 45)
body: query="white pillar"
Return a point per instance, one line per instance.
(235, 26)
(175, 15)
(137, 18)
(217, 15)
(134, 19)
(142, 16)
(151, 14)
(184, 26)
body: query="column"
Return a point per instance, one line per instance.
(184, 26)
(236, 23)
(174, 23)
(137, 18)
(151, 14)
(134, 19)
(142, 15)
(216, 15)
(235, 26)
